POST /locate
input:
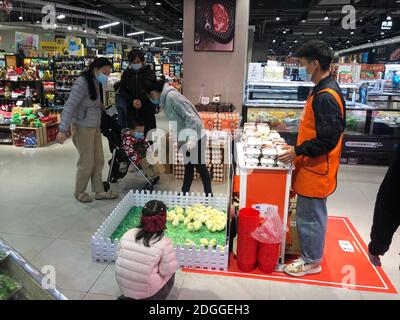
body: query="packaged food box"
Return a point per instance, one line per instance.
(267, 162)
(252, 162)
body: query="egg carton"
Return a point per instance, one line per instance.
(105, 250)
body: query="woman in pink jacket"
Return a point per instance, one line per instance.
(146, 263)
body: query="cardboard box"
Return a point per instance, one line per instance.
(292, 237)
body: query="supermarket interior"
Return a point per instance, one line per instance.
(294, 198)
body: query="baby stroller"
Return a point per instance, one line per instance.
(120, 161)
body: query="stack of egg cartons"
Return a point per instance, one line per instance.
(252, 145)
(179, 169)
(217, 161)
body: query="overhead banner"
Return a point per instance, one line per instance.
(26, 41)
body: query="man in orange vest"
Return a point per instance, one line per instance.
(316, 156)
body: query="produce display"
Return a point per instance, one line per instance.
(192, 226)
(8, 287)
(262, 146)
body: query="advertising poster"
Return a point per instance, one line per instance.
(26, 41)
(214, 25)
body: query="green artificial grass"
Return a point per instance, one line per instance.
(178, 234)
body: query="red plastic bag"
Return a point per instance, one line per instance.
(271, 230)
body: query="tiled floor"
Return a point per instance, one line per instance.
(41, 219)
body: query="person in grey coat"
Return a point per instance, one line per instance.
(189, 127)
(81, 117)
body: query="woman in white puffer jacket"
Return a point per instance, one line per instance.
(146, 263)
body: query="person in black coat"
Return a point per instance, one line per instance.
(386, 213)
(140, 111)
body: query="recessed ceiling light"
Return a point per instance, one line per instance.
(69, 28)
(320, 32)
(274, 41)
(295, 41)
(38, 21)
(284, 31)
(352, 32)
(326, 15)
(20, 18)
(61, 16)
(382, 33)
(158, 3)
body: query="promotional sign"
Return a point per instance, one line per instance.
(74, 46)
(110, 48)
(26, 41)
(214, 25)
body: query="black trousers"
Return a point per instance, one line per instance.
(387, 212)
(160, 295)
(200, 167)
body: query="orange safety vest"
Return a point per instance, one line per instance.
(316, 177)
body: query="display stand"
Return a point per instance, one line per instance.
(265, 185)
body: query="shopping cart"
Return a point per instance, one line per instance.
(120, 161)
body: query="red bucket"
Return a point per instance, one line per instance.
(267, 256)
(249, 220)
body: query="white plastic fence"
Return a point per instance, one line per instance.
(104, 249)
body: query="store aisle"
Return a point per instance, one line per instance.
(42, 220)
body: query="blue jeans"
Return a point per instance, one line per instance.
(121, 106)
(311, 219)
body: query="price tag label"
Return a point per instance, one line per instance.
(41, 115)
(205, 100)
(13, 126)
(19, 103)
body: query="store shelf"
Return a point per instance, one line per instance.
(288, 83)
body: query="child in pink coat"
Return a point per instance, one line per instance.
(146, 263)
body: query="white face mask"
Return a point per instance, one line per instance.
(136, 66)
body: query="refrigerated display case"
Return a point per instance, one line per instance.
(21, 280)
(372, 134)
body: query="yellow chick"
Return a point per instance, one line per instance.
(180, 217)
(187, 221)
(197, 225)
(204, 242)
(175, 223)
(190, 227)
(213, 242)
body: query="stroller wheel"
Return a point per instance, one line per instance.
(155, 180)
(148, 187)
(114, 180)
(106, 186)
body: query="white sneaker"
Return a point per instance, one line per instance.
(298, 268)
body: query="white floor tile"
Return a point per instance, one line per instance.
(73, 295)
(210, 287)
(73, 263)
(290, 291)
(93, 296)
(27, 246)
(106, 284)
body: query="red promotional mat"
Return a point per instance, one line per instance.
(345, 264)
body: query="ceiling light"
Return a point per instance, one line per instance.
(158, 3)
(320, 32)
(135, 33)
(388, 17)
(352, 32)
(348, 41)
(85, 30)
(180, 19)
(304, 17)
(55, 25)
(382, 33)
(61, 16)
(369, 40)
(284, 32)
(109, 24)
(69, 28)
(326, 15)
(38, 21)
(156, 38)
(172, 42)
(273, 41)
(295, 41)
(20, 18)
